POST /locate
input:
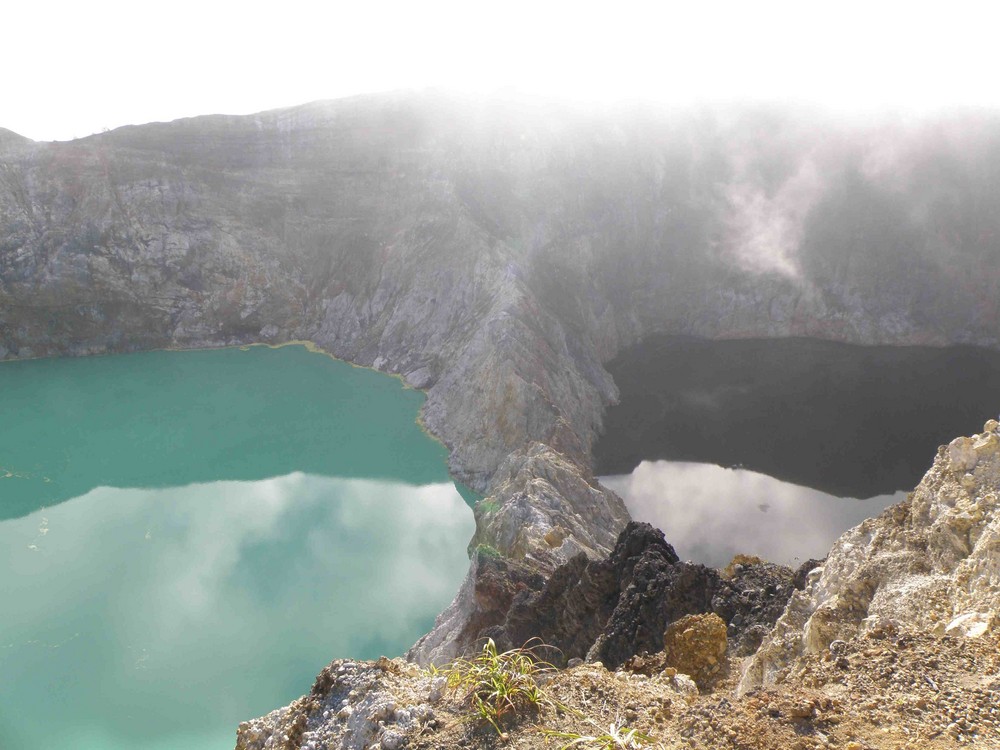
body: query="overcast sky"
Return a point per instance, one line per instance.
(74, 68)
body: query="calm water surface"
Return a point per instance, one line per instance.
(710, 513)
(190, 536)
(852, 421)
(811, 425)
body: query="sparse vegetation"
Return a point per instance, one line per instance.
(496, 685)
(488, 506)
(488, 550)
(616, 738)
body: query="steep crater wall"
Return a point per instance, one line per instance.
(496, 256)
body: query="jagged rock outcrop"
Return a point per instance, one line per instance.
(541, 512)
(392, 703)
(545, 508)
(483, 600)
(930, 564)
(610, 610)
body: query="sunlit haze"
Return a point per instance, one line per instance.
(77, 68)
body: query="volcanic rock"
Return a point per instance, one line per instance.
(610, 610)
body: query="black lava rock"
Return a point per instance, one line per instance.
(613, 609)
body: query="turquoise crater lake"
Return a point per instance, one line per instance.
(186, 538)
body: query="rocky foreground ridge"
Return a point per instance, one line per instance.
(891, 642)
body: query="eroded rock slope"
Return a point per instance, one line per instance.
(930, 564)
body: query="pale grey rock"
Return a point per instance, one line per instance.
(683, 684)
(543, 508)
(379, 705)
(541, 512)
(931, 564)
(391, 740)
(437, 689)
(971, 624)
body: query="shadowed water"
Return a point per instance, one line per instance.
(805, 426)
(851, 421)
(224, 524)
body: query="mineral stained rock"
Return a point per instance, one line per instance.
(930, 564)
(696, 646)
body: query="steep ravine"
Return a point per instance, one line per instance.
(496, 256)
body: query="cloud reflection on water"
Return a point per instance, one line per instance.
(710, 513)
(143, 611)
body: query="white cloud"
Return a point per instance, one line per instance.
(709, 513)
(162, 596)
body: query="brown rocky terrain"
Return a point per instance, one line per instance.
(884, 691)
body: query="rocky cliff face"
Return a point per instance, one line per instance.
(496, 254)
(930, 565)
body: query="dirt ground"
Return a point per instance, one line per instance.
(885, 690)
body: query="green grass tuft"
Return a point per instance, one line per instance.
(496, 685)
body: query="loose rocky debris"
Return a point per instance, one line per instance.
(930, 564)
(381, 704)
(886, 690)
(696, 645)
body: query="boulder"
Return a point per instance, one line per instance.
(696, 646)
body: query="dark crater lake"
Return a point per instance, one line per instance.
(764, 446)
(187, 538)
(852, 421)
